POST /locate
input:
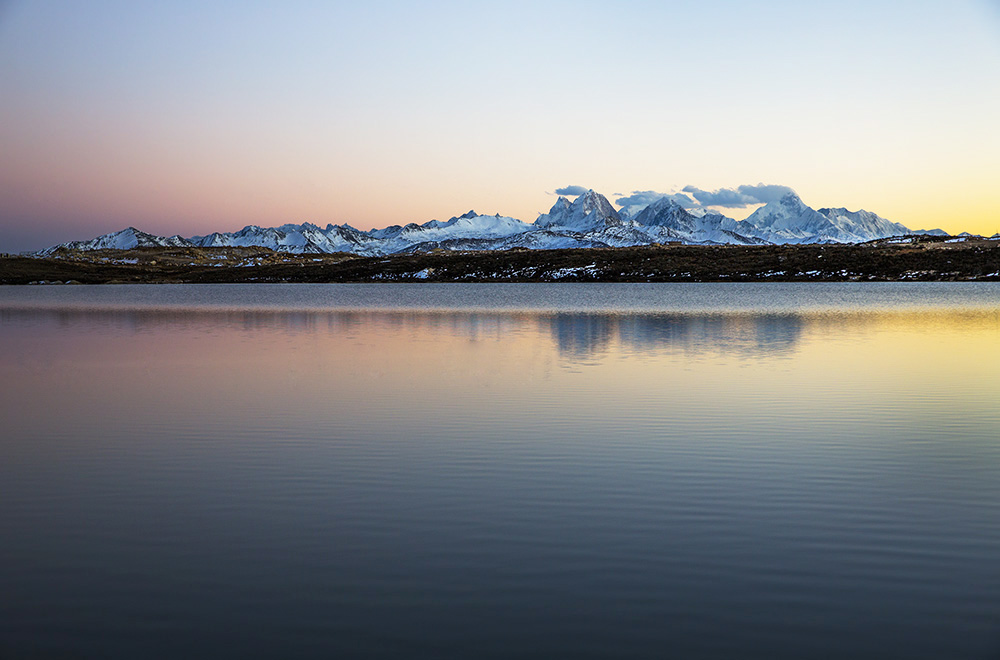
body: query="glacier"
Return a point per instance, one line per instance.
(588, 221)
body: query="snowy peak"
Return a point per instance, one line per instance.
(792, 200)
(560, 206)
(590, 211)
(789, 220)
(790, 215)
(667, 219)
(304, 238)
(126, 239)
(664, 212)
(464, 226)
(864, 223)
(789, 206)
(592, 202)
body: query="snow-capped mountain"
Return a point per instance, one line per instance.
(590, 211)
(588, 221)
(789, 220)
(468, 226)
(126, 239)
(860, 224)
(304, 239)
(674, 222)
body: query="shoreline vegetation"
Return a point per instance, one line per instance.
(910, 258)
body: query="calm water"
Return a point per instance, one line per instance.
(470, 471)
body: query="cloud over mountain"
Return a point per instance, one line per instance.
(739, 197)
(647, 197)
(572, 191)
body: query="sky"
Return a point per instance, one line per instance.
(191, 117)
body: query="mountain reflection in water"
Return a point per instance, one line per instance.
(782, 482)
(576, 336)
(581, 336)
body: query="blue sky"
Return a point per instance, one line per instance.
(188, 117)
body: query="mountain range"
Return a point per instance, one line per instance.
(590, 220)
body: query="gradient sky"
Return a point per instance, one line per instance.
(191, 117)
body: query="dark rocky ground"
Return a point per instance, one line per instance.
(921, 258)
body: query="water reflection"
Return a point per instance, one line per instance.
(582, 336)
(576, 336)
(370, 483)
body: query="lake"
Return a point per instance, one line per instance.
(500, 470)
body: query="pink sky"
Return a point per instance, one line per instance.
(182, 119)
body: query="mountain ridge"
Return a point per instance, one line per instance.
(588, 221)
